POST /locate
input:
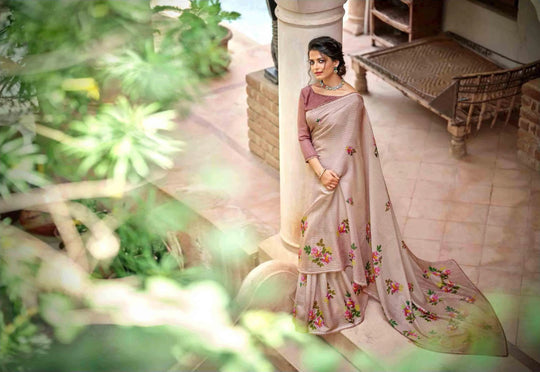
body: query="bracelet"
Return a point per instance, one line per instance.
(320, 175)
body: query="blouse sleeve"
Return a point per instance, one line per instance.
(304, 134)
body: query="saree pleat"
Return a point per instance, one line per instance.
(351, 248)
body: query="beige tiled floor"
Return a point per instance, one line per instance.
(483, 210)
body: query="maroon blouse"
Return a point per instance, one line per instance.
(308, 101)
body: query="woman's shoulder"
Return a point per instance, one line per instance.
(305, 91)
(348, 88)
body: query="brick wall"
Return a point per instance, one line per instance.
(263, 118)
(528, 141)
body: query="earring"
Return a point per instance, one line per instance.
(335, 70)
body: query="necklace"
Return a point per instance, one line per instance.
(327, 87)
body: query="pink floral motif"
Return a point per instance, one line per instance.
(318, 322)
(411, 334)
(369, 273)
(343, 227)
(315, 317)
(376, 256)
(326, 258)
(426, 315)
(352, 310)
(387, 206)
(349, 201)
(407, 312)
(411, 287)
(330, 293)
(350, 150)
(455, 314)
(294, 311)
(468, 299)
(448, 287)
(303, 225)
(303, 280)
(392, 287)
(357, 288)
(433, 297)
(320, 255)
(352, 255)
(443, 274)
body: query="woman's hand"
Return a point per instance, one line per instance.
(330, 179)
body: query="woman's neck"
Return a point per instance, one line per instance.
(333, 81)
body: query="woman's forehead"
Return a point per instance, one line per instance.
(315, 54)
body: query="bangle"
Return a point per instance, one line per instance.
(320, 175)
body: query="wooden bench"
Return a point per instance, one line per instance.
(452, 77)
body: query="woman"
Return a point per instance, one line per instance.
(351, 247)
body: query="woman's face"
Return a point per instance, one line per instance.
(322, 66)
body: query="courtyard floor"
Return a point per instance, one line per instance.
(482, 210)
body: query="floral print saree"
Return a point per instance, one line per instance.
(351, 249)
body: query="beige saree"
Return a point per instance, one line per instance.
(351, 248)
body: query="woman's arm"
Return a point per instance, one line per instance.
(327, 176)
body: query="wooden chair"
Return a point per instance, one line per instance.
(452, 77)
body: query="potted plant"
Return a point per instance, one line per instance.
(201, 17)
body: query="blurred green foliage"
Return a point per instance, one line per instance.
(19, 158)
(102, 97)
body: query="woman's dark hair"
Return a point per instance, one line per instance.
(330, 47)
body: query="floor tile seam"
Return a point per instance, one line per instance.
(525, 229)
(247, 155)
(446, 223)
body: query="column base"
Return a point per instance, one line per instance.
(354, 28)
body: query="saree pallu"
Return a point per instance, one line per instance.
(351, 249)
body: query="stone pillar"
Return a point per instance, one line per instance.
(355, 22)
(299, 21)
(528, 141)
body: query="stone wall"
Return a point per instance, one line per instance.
(263, 118)
(528, 141)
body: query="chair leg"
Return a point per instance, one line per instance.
(481, 116)
(510, 109)
(496, 114)
(361, 82)
(458, 147)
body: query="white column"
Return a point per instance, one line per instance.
(299, 21)
(355, 17)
